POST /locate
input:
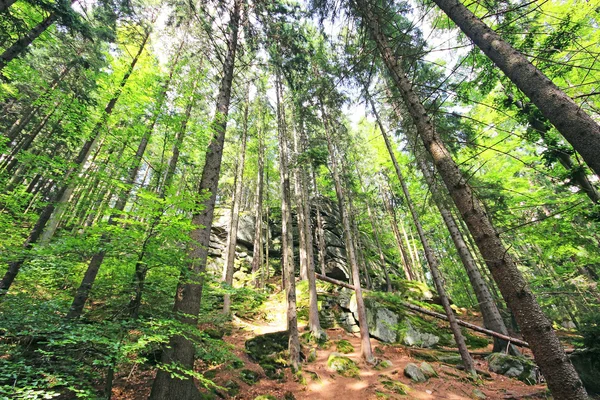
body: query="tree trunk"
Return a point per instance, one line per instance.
(180, 350)
(287, 251)
(406, 266)
(537, 329)
(366, 351)
(229, 261)
(577, 127)
(432, 260)
(258, 215)
(140, 267)
(320, 230)
(22, 43)
(375, 231)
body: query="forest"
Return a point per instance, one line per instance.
(299, 199)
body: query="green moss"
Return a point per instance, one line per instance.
(265, 397)
(473, 341)
(381, 395)
(249, 376)
(344, 346)
(394, 386)
(343, 365)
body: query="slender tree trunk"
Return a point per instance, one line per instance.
(549, 354)
(180, 350)
(366, 351)
(304, 208)
(228, 264)
(287, 251)
(140, 266)
(375, 231)
(258, 214)
(320, 230)
(577, 127)
(408, 273)
(300, 214)
(432, 260)
(22, 43)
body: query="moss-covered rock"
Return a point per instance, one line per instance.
(514, 367)
(413, 372)
(343, 365)
(428, 370)
(265, 397)
(249, 376)
(344, 347)
(233, 388)
(393, 385)
(269, 351)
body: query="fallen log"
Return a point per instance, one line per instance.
(477, 328)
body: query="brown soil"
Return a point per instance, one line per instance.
(321, 383)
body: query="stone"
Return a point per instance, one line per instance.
(249, 376)
(342, 365)
(587, 365)
(344, 347)
(428, 370)
(265, 397)
(393, 385)
(413, 372)
(384, 364)
(232, 387)
(514, 367)
(478, 394)
(312, 355)
(414, 337)
(268, 351)
(381, 321)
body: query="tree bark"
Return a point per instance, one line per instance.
(432, 260)
(576, 126)
(287, 243)
(258, 214)
(366, 351)
(229, 260)
(406, 266)
(562, 379)
(180, 350)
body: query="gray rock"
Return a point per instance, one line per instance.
(428, 370)
(514, 367)
(478, 394)
(414, 373)
(414, 337)
(381, 321)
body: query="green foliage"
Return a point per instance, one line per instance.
(344, 346)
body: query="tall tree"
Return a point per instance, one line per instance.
(577, 127)
(287, 240)
(537, 329)
(180, 352)
(229, 259)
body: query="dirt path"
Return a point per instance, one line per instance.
(323, 384)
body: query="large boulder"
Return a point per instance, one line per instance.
(414, 337)
(343, 365)
(381, 321)
(587, 365)
(413, 372)
(269, 352)
(520, 368)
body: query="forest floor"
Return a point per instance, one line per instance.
(323, 384)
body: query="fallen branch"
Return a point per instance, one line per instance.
(515, 341)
